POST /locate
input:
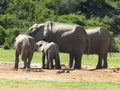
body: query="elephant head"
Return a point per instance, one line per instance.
(39, 31)
(40, 45)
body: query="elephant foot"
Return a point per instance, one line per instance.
(58, 67)
(23, 67)
(28, 69)
(70, 68)
(77, 67)
(98, 67)
(44, 66)
(104, 67)
(51, 67)
(15, 68)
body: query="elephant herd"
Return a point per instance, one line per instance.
(54, 37)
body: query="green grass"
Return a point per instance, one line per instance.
(55, 85)
(91, 60)
(6, 84)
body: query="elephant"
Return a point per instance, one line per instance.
(70, 38)
(24, 46)
(99, 43)
(51, 51)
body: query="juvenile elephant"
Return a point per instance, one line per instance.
(51, 51)
(71, 38)
(24, 46)
(100, 42)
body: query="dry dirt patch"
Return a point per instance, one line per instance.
(88, 73)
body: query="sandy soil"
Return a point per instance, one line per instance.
(112, 74)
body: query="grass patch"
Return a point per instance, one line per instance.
(91, 60)
(6, 84)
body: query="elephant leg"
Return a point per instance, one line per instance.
(78, 58)
(57, 62)
(29, 62)
(47, 64)
(16, 60)
(99, 65)
(51, 63)
(105, 64)
(25, 62)
(71, 57)
(43, 60)
(29, 59)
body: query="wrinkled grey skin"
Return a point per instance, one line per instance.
(51, 51)
(24, 46)
(100, 42)
(70, 38)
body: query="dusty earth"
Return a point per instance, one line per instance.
(112, 74)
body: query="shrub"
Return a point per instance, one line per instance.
(116, 44)
(8, 20)
(6, 46)
(2, 35)
(10, 36)
(72, 18)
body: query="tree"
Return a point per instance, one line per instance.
(2, 35)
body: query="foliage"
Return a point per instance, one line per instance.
(10, 36)
(116, 44)
(23, 13)
(72, 18)
(8, 20)
(2, 35)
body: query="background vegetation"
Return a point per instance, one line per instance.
(16, 16)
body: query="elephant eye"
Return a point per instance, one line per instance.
(40, 45)
(30, 29)
(33, 29)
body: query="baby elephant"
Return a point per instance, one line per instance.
(51, 51)
(24, 46)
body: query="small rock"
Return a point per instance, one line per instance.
(63, 71)
(67, 71)
(58, 72)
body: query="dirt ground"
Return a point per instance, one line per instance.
(112, 74)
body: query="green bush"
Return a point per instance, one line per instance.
(2, 35)
(10, 36)
(72, 18)
(116, 44)
(8, 20)
(6, 46)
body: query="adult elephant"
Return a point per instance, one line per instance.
(99, 43)
(71, 38)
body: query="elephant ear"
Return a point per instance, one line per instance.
(48, 27)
